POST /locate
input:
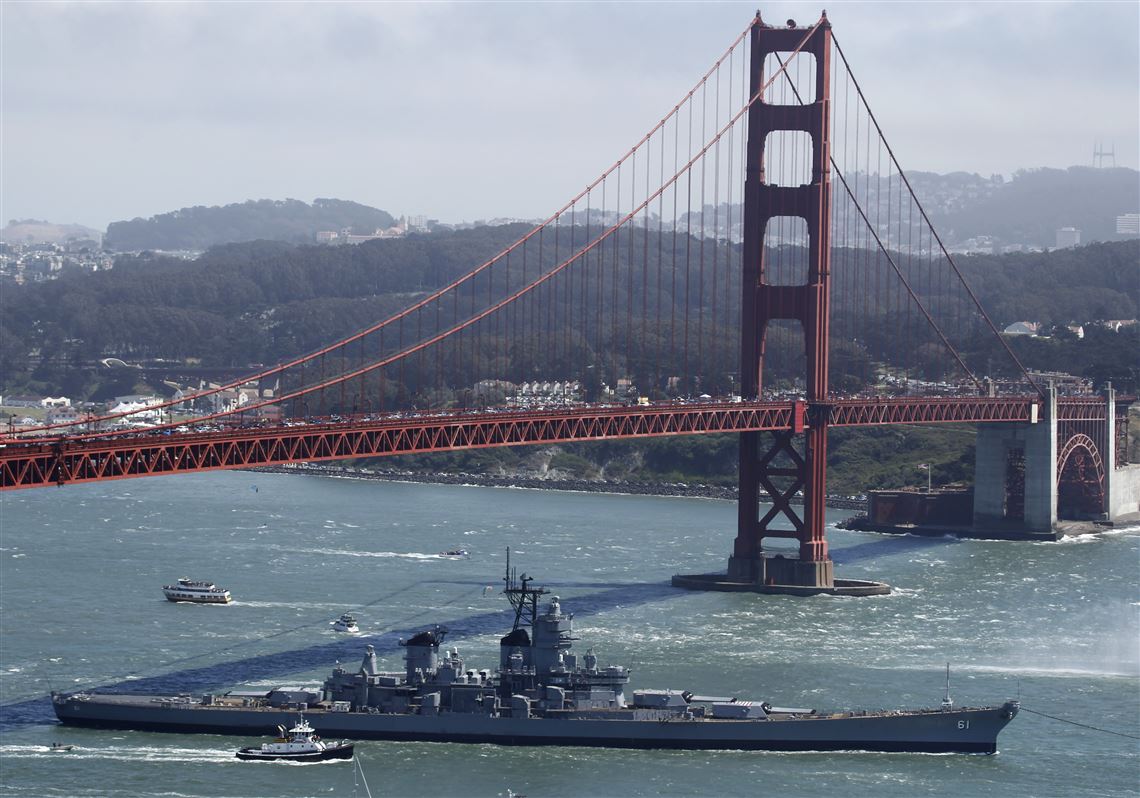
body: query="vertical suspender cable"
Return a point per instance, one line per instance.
(700, 361)
(688, 252)
(630, 258)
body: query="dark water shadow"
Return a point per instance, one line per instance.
(227, 675)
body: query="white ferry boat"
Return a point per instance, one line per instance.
(198, 592)
(346, 623)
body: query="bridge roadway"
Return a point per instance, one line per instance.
(30, 463)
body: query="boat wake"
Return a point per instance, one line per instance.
(120, 753)
(401, 555)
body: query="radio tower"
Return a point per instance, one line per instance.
(1100, 153)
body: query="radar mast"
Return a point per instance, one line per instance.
(522, 597)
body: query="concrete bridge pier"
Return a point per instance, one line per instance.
(1015, 472)
(1034, 478)
(1122, 493)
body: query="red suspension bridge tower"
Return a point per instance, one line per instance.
(634, 279)
(773, 469)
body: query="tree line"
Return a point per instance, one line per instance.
(265, 301)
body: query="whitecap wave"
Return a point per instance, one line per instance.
(405, 555)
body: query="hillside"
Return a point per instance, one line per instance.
(267, 301)
(200, 227)
(21, 231)
(1097, 281)
(1035, 203)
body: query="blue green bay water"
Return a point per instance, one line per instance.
(80, 605)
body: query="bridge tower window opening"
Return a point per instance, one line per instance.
(786, 248)
(797, 85)
(788, 158)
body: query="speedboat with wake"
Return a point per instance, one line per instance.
(346, 623)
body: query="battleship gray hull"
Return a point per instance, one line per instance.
(540, 694)
(972, 731)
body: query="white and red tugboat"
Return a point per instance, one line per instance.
(300, 744)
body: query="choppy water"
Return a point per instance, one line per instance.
(80, 605)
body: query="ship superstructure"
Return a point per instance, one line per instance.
(536, 673)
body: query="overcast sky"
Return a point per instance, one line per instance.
(477, 110)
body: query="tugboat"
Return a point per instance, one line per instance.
(346, 623)
(540, 693)
(300, 744)
(196, 592)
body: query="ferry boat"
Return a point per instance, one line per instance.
(197, 592)
(346, 623)
(540, 694)
(300, 744)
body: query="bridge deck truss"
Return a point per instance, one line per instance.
(26, 464)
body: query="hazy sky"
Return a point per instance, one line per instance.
(476, 110)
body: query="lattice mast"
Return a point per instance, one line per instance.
(771, 464)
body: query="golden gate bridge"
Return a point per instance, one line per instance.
(757, 263)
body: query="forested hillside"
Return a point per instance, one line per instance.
(201, 227)
(1031, 206)
(262, 302)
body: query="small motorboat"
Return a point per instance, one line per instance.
(299, 744)
(346, 623)
(60, 748)
(454, 553)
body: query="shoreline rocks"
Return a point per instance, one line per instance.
(639, 488)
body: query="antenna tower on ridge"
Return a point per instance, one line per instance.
(1100, 154)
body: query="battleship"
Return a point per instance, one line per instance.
(540, 694)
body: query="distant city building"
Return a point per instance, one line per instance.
(62, 415)
(1066, 384)
(1068, 237)
(346, 236)
(271, 413)
(1128, 224)
(136, 398)
(22, 263)
(225, 401)
(540, 393)
(135, 405)
(983, 244)
(16, 400)
(1116, 324)
(1022, 328)
(494, 389)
